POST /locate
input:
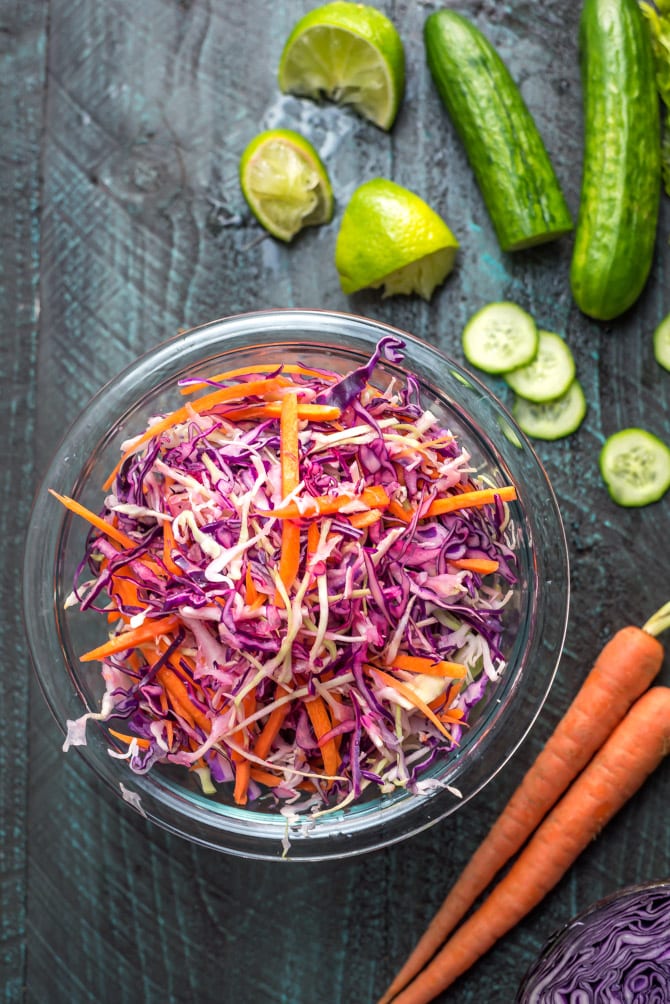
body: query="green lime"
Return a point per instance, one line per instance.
(285, 183)
(349, 53)
(390, 237)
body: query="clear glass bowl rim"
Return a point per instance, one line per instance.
(193, 818)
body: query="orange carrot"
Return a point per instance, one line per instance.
(124, 591)
(453, 503)
(484, 566)
(362, 519)
(431, 667)
(178, 698)
(142, 743)
(97, 521)
(242, 776)
(263, 388)
(270, 730)
(272, 409)
(405, 513)
(252, 597)
(634, 749)
(469, 500)
(624, 669)
(130, 639)
(313, 536)
(374, 497)
(321, 723)
(289, 458)
(413, 698)
(249, 370)
(265, 777)
(242, 764)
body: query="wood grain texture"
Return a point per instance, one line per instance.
(22, 49)
(143, 230)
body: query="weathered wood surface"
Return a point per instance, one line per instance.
(130, 118)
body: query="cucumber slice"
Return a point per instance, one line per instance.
(635, 466)
(550, 373)
(662, 343)
(500, 337)
(552, 419)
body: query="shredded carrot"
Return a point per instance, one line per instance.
(324, 505)
(261, 388)
(242, 775)
(306, 412)
(142, 743)
(258, 368)
(179, 699)
(451, 715)
(270, 730)
(100, 524)
(124, 591)
(262, 776)
(469, 500)
(452, 503)
(362, 519)
(313, 536)
(289, 458)
(484, 566)
(414, 699)
(242, 764)
(321, 723)
(252, 597)
(405, 513)
(430, 667)
(130, 639)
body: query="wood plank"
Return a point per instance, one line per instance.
(145, 231)
(22, 73)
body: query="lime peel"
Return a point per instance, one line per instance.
(285, 183)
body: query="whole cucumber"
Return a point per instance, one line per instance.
(502, 142)
(621, 180)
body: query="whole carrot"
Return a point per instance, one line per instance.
(624, 669)
(632, 752)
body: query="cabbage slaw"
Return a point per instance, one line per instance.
(305, 583)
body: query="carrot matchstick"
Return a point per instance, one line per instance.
(147, 631)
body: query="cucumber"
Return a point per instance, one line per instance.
(502, 142)
(635, 466)
(550, 373)
(500, 337)
(554, 419)
(662, 343)
(621, 179)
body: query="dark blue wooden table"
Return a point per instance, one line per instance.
(122, 221)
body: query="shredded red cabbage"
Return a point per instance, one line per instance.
(618, 950)
(231, 688)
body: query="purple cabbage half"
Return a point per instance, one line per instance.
(616, 952)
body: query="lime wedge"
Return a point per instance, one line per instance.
(390, 237)
(285, 183)
(349, 53)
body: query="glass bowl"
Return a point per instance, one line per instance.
(617, 949)
(536, 616)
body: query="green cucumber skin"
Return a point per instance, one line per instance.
(621, 180)
(502, 142)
